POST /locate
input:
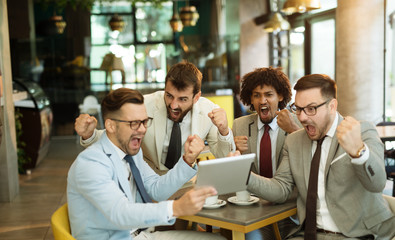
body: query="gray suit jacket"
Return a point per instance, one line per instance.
(248, 126)
(353, 192)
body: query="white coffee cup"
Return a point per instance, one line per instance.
(211, 200)
(243, 196)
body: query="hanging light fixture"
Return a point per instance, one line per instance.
(59, 23)
(276, 23)
(116, 23)
(300, 6)
(175, 22)
(189, 15)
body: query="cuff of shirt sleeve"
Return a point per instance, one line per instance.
(170, 210)
(89, 140)
(363, 158)
(228, 137)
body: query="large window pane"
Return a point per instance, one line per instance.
(297, 54)
(153, 22)
(151, 63)
(111, 7)
(102, 34)
(323, 47)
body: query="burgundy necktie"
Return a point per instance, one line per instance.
(310, 229)
(265, 155)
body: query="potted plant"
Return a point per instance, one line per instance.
(23, 158)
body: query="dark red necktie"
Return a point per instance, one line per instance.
(310, 227)
(265, 155)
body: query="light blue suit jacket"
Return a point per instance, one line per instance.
(101, 205)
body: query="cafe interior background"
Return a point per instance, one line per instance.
(56, 53)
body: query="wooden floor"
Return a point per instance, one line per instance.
(40, 194)
(43, 191)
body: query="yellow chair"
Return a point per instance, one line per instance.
(391, 202)
(60, 224)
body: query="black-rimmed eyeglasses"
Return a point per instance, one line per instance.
(134, 125)
(309, 110)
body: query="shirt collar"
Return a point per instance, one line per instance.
(332, 130)
(119, 152)
(273, 125)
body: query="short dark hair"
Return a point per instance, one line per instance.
(324, 82)
(183, 75)
(266, 76)
(117, 98)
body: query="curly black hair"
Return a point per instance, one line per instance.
(266, 76)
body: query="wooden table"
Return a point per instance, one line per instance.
(386, 133)
(244, 219)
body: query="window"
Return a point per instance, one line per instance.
(142, 45)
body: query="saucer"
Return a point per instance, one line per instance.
(219, 203)
(251, 201)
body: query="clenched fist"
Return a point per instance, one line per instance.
(241, 143)
(219, 119)
(348, 134)
(85, 125)
(286, 122)
(192, 148)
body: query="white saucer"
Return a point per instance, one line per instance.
(251, 201)
(219, 203)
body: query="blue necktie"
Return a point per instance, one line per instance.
(137, 178)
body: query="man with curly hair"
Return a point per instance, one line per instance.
(267, 91)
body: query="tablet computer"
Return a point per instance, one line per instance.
(226, 175)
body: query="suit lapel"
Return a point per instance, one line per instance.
(119, 167)
(196, 118)
(252, 139)
(332, 150)
(160, 120)
(279, 144)
(306, 154)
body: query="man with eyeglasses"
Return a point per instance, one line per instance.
(267, 91)
(111, 189)
(337, 165)
(179, 107)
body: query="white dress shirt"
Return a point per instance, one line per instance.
(185, 127)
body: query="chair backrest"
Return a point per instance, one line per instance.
(60, 224)
(90, 105)
(90, 100)
(391, 202)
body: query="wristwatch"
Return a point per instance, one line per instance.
(360, 152)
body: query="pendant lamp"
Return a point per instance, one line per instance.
(175, 21)
(116, 23)
(189, 15)
(276, 23)
(59, 23)
(300, 6)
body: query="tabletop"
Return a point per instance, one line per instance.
(243, 219)
(386, 133)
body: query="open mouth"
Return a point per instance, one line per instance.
(264, 111)
(135, 142)
(311, 131)
(175, 113)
